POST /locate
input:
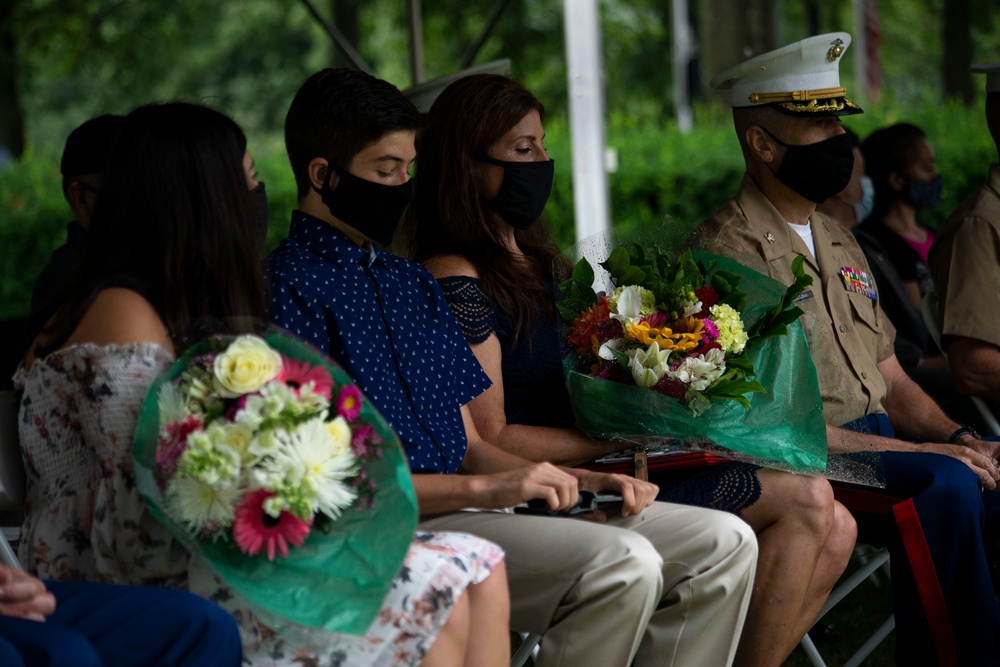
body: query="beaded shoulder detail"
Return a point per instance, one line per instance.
(475, 312)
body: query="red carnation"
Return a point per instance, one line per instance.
(671, 387)
(708, 297)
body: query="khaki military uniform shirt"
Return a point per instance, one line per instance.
(965, 263)
(848, 334)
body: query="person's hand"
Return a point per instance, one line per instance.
(541, 480)
(981, 464)
(984, 447)
(636, 495)
(24, 596)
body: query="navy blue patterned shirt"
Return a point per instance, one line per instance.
(386, 322)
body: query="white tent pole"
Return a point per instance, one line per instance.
(682, 48)
(859, 50)
(581, 20)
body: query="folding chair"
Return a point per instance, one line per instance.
(872, 563)
(527, 649)
(930, 308)
(857, 500)
(11, 477)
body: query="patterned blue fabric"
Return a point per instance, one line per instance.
(385, 320)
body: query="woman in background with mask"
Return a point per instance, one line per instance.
(900, 161)
(482, 182)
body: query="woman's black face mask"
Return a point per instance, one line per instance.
(374, 209)
(524, 191)
(816, 171)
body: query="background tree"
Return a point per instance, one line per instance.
(956, 34)
(11, 118)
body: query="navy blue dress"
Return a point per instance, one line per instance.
(535, 394)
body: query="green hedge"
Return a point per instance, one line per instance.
(662, 177)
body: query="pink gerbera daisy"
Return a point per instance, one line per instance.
(298, 373)
(349, 403)
(254, 529)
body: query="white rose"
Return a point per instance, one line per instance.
(246, 365)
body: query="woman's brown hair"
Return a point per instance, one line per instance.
(449, 214)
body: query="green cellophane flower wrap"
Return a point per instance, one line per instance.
(334, 580)
(762, 405)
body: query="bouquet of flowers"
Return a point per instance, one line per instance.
(698, 350)
(264, 458)
(672, 327)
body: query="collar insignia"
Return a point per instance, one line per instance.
(769, 237)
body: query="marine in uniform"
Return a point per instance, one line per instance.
(965, 264)
(786, 109)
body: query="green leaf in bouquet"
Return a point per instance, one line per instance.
(775, 321)
(617, 264)
(577, 291)
(742, 363)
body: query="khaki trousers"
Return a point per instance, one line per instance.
(669, 587)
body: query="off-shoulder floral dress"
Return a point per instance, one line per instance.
(85, 520)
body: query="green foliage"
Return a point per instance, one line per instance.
(775, 321)
(578, 291)
(32, 225)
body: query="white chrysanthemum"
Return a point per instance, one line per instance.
(210, 458)
(701, 371)
(732, 336)
(648, 365)
(321, 460)
(172, 404)
(197, 504)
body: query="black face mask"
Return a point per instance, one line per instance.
(525, 188)
(260, 205)
(924, 194)
(816, 171)
(371, 208)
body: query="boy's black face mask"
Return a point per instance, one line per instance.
(374, 209)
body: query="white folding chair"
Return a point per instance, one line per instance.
(872, 562)
(11, 475)
(930, 308)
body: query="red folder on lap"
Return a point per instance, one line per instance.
(637, 464)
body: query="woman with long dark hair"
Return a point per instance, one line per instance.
(482, 181)
(176, 257)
